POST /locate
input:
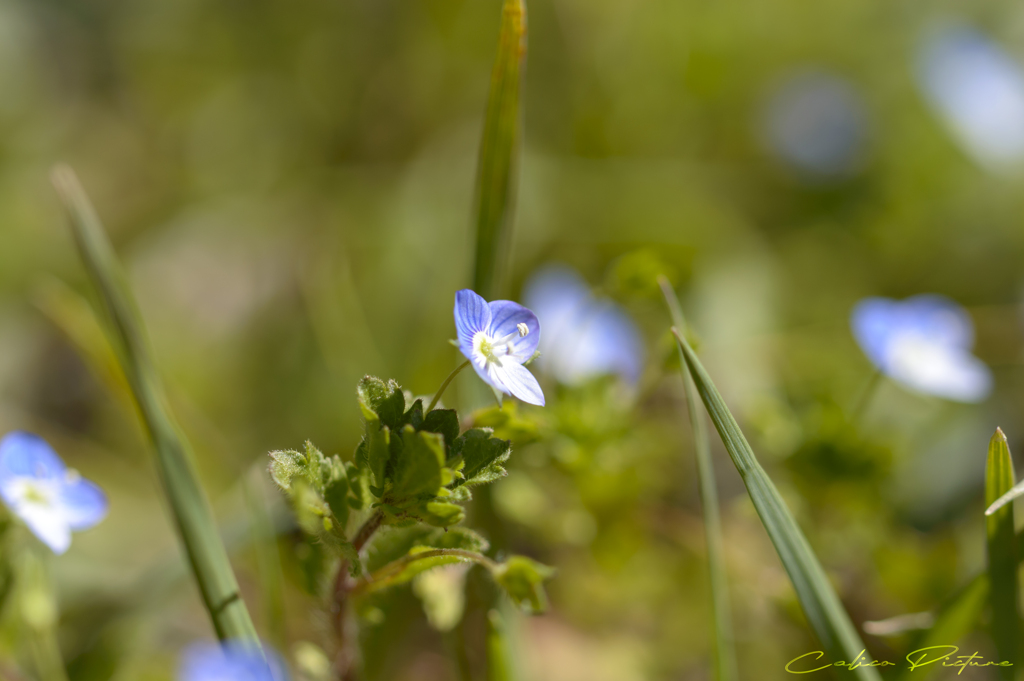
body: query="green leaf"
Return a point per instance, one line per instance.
(523, 580)
(817, 597)
(499, 149)
(378, 451)
(417, 467)
(382, 401)
(316, 485)
(1002, 554)
(721, 618)
(442, 513)
(445, 422)
(187, 499)
(481, 456)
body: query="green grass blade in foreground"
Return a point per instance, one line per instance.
(499, 149)
(725, 652)
(1002, 554)
(188, 501)
(819, 601)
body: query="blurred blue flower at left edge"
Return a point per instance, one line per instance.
(979, 90)
(584, 336)
(817, 123)
(48, 497)
(923, 343)
(232, 661)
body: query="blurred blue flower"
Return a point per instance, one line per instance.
(817, 123)
(497, 338)
(979, 90)
(51, 499)
(923, 342)
(584, 336)
(232, 661)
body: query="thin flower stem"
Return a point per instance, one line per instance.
(396, 567)
(444, 386)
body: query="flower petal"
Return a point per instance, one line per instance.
(236, 660)
(873, 321)
(607, 342)
(505, 319)
(82, 503)
(471, 315)
(520, 382)
(922, 365)
(48, 524)
(26, 455)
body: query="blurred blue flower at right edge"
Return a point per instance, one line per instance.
(231, 661)
(978, 89)
(923, 343)
(582, 336)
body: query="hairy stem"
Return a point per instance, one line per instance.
(444, 386)
(345, 658)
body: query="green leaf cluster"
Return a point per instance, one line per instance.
(418, 465)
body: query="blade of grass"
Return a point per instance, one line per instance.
(1002, 554)
(721, 618)
(820, 603)
(189, 504)
(499, 149)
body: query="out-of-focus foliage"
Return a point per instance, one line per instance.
(290, 187)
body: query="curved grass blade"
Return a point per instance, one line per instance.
(819, 601)
(499, 149)
(721, 619)
(1014, 492)
(1002, 554)
(189, 504)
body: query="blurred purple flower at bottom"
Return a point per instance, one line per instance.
(232, 661)
(923, 342)
(583, 336)
(48, 497)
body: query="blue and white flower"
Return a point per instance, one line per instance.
(50, 499)
(979, 90)
(584, 336)
(496, 338)
(924, 343)
(232, 661)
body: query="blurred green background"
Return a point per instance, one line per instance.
(290, 186)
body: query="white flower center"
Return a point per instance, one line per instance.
(493, 349)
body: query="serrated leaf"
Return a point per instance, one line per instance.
(285, 465)
(359, 483)
(381, 401)
(1002, 554)
(445, 422)
(481, 456)
(414, 417)
(378, 451)
(417, 466)
(522, 579)
(336, 494)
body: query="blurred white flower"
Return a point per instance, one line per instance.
(923, 342)
(583, 336)
(979, 90)
(816, 122)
